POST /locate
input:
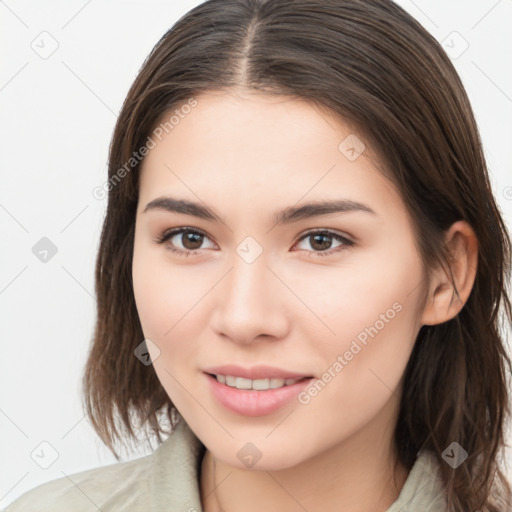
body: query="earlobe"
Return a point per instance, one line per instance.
(445, 301)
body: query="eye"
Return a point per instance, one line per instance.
(321, 242)
(190, 239)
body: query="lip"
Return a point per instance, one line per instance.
(255, 372)
(253, 402)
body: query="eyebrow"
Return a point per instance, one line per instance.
(286, 216)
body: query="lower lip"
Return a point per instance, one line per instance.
(253, 402)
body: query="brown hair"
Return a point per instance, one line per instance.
(375, 67)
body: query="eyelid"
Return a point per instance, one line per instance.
(329, 231)
(169, 233)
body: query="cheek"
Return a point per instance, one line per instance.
(372, 315)
(368, 292)
(163, 300)
(170, 300)
(162, 296)
(149, 287)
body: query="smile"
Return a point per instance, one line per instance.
(254, 397)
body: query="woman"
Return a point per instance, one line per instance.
(300, 274)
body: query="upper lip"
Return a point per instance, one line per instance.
(255, 372)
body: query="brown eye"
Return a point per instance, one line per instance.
(321, 242)
(191, 241)
(183, 241)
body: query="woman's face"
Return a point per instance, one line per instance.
(272, 284)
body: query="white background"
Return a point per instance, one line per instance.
(57, 117)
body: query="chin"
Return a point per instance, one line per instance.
(266, 456)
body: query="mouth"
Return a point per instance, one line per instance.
(254, 397)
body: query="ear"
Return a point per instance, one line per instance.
(444, 301)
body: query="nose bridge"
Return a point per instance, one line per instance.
(249, 279)
(251, 299)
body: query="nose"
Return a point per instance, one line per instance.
(251, 303)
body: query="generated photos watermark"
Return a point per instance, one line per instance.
(357, 345)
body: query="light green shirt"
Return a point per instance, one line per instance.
(168, 481)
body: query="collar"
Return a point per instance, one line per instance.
(174, 482)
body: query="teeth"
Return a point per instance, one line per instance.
(242, 383)
(257, 384)
(276, 383)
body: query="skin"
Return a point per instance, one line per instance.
(247, 155)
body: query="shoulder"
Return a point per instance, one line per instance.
(164, 480)
(95, 489)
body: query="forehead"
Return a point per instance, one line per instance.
(257, 149)
(248, 123)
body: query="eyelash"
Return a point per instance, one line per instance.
(166, 235)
